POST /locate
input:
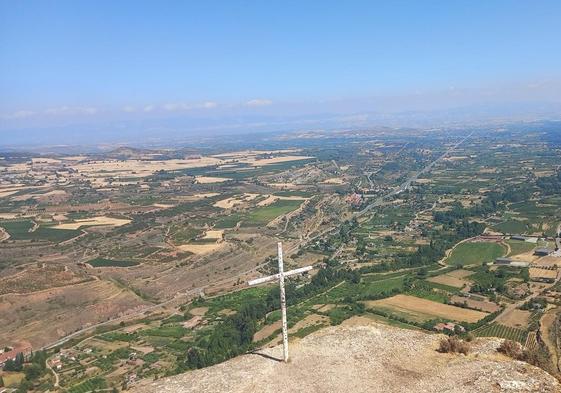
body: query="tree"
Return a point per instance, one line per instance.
(33, 371)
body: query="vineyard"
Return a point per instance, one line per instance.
(501, 331)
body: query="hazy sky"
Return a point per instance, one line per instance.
(89, 61)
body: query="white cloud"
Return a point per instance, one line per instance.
(22, 114)
(209, 105)
(179, 106)
(129, 109)
(68, 110)
(258, 102)
(148, 108)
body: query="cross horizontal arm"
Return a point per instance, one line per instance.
(275, 277)
(299, 270)
(261, 280)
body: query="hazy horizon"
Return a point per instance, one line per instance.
(85, 73)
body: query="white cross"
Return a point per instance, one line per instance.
(280, 276)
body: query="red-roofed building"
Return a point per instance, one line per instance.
(21, 346)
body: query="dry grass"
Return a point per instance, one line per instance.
(412, 304)
(453, 280)
(477, 304)
(94, 221)
(334, 180)
(236, 200)
(514, 318)
(536, 273)
(200, 249)
(210, 180)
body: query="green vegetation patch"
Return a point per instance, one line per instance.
(89, 385)
(20, 230)
(476, 253)
(512, 227)
(103, 262)
(166, 331)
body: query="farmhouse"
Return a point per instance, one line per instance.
(542, 252)
(509, 262)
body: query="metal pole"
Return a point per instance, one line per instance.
(283, 303)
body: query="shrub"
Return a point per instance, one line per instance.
(453, 345)
(511, 349)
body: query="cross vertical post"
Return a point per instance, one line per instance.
(280, 276)
(283, 303)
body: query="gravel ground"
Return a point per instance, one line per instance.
(361, 356)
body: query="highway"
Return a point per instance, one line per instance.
(406, 184)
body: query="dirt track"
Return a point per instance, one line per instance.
(361, 356)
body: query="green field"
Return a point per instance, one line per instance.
(102, 262)
(19, 230)
(166, 331)
(475, 253)
(265, 214)
(511, 227)
(501, 331)
(519, 247)
(366, 289)
(229, 221)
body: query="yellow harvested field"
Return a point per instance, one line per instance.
(199, 311)
(514, 318)
(253, 153)
(273, 198)
(448, 280)
(11, 216)
(229, 203)
(334, 180)
(215, 234)
(282, 185)
(95, 221)
(310, 320)
(549, 261)
(267, 330)
(536, 273)
(4, 194)
(139, 168)
(269, 200)
(200, 249)
(275, 160)
(477, 304)
(210, 180)
(460, 273)
(193, 322)
(412, 304)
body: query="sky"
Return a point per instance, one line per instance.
(86, 65)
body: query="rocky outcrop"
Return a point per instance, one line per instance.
(362, 356)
